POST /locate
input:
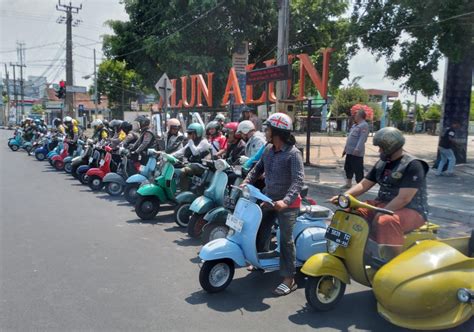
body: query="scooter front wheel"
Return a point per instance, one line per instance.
(14, 147)
(114, 189)
(183, 214)
(216, 275)
(84, 178)
(213, 231)
(195, 225)
(324, 293)
(28, 149)
(59, 165)
(147, 207)
(68, 167)
(40, 156)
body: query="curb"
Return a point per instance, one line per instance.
(436, 212)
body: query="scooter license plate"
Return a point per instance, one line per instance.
(235, 223)
(340, 237)
(197, 180)
(91, 159)
(102, 162)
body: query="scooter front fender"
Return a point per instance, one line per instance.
(325, 264)
(68, 159)
(136, 178)
(114, 177)
(56, 157)
(95, 172)
(42, 150)
(202, 205)
(221, 249)
(217, 214)
(83, 169)
(152, 189)
(185, 197)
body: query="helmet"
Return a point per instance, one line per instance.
(37, 121)
(174, 123)
(67, 120)
(280, 121)
(143, 121)
(115, 124)
(97, 123)
(57, 122)
(219, 117)
(106, 123)
(245, 127)
(213, 124)
(126, 126)
(196, 128)
(390, 139)
(232, 126)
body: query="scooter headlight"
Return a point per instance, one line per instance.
(230, 232)
(332, 246)
(343, 201)
(464, 295)
(246, 192)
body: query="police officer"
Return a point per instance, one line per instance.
(101, 134)
(145, 141)
(131, 135)
(402, 181)
(72, 133)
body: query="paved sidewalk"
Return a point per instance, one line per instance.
(451, 199)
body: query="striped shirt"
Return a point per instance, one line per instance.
(284, 173)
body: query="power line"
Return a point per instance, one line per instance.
(32, 47)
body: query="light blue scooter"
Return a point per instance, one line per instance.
(56, 151)
(221, 256)
(145, 174)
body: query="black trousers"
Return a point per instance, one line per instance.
(354, 165)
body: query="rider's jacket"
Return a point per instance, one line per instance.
(390, 185)
(100, 134)
(192, 152)
(145, 141)
(173, 142)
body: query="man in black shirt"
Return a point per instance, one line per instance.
(402, 180)
(446, 153)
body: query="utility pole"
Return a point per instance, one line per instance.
(69, 10)
(96, 93)
(21, 58)
(283, 41)
(15, 95)
(7, 106)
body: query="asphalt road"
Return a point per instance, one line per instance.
(74, 260)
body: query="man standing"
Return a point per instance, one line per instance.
(446, 152)
(282, 165)
(355, 149)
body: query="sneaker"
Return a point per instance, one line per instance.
(448, 174)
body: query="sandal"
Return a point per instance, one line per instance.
(283, 289)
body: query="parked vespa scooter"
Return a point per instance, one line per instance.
(18, 142)
(68, 160)
(95, 176)
(47, 145)
(93, 162)
(83, 159)
(58, 160)
(239, 248)
(114, 182)
(429, 286)
(145, 174)
(56, 151)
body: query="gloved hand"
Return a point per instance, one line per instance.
(243, 160)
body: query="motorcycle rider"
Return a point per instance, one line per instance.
(131, 135)
(282, 164)
(194, 151)
(215, 137)
(118, 136)
(235, 145)
(101, 134)
(72, 133)
(221, 119)
(402, 180)
(254, 139)
(59, 127)
(146, 140)
(174, 138)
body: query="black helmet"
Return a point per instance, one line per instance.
(126, 126)
(143, 121)
(390, 139)
(115, 124)
(57, 122)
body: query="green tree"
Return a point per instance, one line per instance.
(420, 114)
(471, 114)
(119, 84)
(347, 97)
(187, 37)
(433, 113)
(397, 115)
(414, 35)
(37, 109)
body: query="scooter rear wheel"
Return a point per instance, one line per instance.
(216, 275)
(95, 183)
(83, 178)
(324, 293)
(130, 192)
(213, 231)
(59, 165)
(147, 207)
(114, 189)
(40, 156)
(68, 167)
(195, 225)
(14, 147)
(182, 214)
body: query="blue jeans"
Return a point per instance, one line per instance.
(447, 156)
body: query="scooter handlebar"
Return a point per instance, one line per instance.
(383, 211)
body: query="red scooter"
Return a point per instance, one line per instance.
(96, 175)
(58, 160)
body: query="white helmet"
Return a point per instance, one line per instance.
(280, 121)
(173, 122)
(245, 127)
(96, 123)
(67, 119)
